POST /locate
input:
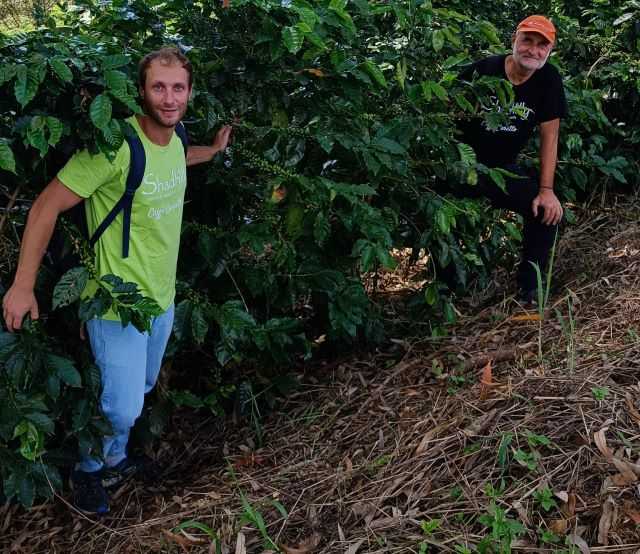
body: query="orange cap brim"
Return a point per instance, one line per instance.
(551, 37)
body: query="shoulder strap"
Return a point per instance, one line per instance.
(182, 135)
(137, 165)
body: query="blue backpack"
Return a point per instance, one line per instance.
(134, 179)
(59, 257)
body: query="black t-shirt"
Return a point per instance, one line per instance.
(540, 98)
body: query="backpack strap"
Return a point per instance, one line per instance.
(137, 166)
(134, 178)
(182, 135)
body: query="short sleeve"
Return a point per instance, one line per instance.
(554, 103)
(84, 173)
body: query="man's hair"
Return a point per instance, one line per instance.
(169, 55)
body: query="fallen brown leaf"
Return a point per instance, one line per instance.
(181, 541)
(429, 436)
(481, 424)
(578, 541)
(601, 442)
(631, 407)
(606, 521)
(625, 471)
(559, 526)
(354, 546)
(486, 380)
(310, 544)
(631, 512)
(241, 544)
(526, 317)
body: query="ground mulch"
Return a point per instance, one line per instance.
(425, 445)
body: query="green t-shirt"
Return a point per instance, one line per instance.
(156, 216)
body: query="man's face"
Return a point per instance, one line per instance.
(166, 93)
(531, 50)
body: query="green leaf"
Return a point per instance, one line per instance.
(113, 133)
(116, 81)
(70, 287)
(53, 386)
(117, 60)
(388, 145)
(129, 101)
(62, 71)
(307, 15)
(467, 154)
(7, 72)
(42, 421)
(7, 160)
(56, 128)
(182, 320)
(199, 325)
(490, 32)
(374, 71)
(292, 38)
(81, 414)
(437, 40)
(26, 85)
(65, 369)
(463, 103)
(498, 179)
(36, 136)
(100, 111)
(321, 229)
(439, 91)
(26, 491)
(431, 294)
(294, 220)
(31, 440)
(338, 5)
(443, 221)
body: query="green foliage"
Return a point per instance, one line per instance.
(503, 530)
(544, 497)
(345, 119)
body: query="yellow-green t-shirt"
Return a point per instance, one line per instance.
(156, 216)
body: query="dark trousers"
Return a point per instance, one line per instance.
(538, 238)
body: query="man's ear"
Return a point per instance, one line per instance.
(190, 93)
(141, 92)
(513, 38)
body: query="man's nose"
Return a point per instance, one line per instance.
(169, 97)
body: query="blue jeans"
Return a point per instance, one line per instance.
(129, 363)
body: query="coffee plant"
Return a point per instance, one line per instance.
(345, 116)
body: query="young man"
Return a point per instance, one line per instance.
(539, 102)
(129, 360)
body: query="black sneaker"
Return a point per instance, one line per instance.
(89, 495)
(128, 468)
(528, 298)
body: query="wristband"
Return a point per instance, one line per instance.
(547, 188)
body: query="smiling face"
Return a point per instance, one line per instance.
(166, 93)
(531, 50)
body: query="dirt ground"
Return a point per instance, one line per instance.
(511, 432)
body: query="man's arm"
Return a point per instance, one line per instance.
(549, 133)
(202, 154)
(19, 300)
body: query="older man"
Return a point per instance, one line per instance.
(539, 102)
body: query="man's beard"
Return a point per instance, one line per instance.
(153, 114)
(540, 63)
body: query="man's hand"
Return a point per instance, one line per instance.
(203, 154)
(221, 140)
(15, 305)
(552, 209)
